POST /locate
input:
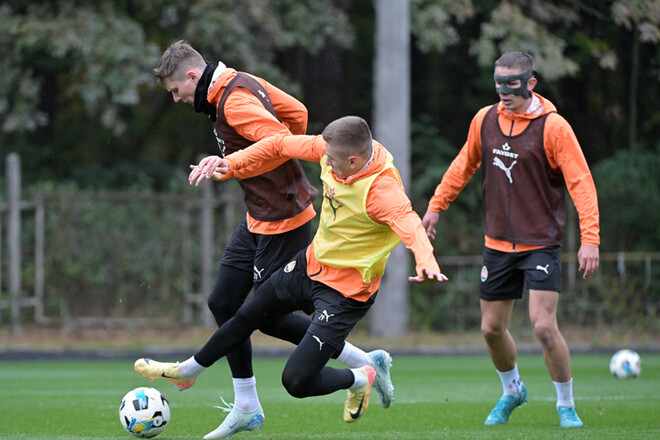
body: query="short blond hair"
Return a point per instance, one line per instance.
(177, 58)
(351, 134)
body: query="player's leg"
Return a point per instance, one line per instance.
(543, 315)
(275, 252)
(250, 316)
(501, 284)
(306, 373)
(233, 284)
(264, 306)
(231, 288)
(543, 275)
(494, 328)
(502, 350)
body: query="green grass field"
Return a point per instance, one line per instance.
(438, 397)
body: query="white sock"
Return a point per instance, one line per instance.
(360, 379)
(245, 394)
(191, 368)
(564, 393)
(352, 356)
(511, 383)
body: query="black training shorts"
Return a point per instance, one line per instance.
(333, 315)
(264, 254)
(504, 274)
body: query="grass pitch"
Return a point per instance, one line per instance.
(436, 397)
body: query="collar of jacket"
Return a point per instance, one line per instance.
(202, 105)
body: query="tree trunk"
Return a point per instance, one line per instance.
(391, 127)
(634, 80)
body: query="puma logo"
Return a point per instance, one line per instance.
(499, 164)
(325, 316)
(543, 268)
(257, 273)
(319, 341)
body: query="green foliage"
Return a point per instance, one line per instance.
(436, 23)
(459, 228)
(628, 187)
(512, 28)
(639, 15)
(116, 255)
(85, 50)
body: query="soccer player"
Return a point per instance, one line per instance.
(244, 109)
(365, 214)
(528, 154)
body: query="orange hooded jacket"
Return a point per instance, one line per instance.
(562, 150)
(245, 114)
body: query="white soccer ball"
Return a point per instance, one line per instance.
(625, 364)
(144, 412)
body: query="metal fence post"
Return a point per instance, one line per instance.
(207, 246)
(13, 173)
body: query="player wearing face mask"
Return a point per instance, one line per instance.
(528, 155)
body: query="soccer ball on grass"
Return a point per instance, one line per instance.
(144, 412)
(625, 364)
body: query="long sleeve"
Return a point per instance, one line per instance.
(309, 148)
(289, 110)
(564, 152)
(250, 119)
(388, 204)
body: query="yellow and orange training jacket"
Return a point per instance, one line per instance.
(386, 204)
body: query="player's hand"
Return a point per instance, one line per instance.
(209, 167)
(429, 221)
(588, 257)
(428, 276)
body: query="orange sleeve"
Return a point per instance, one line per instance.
(462, 167)
(388, 204)
(564, 152)
(288, 109)
(245, 114)
(251, 161)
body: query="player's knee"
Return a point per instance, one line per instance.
(545, 333)
(491, 332)
(221, 307)
(295, 384)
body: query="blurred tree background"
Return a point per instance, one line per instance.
(78, 100)
(79, 103)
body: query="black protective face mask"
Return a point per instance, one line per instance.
(521, 91)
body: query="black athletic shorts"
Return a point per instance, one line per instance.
(264, 254)
(504, 273)
(333, 315)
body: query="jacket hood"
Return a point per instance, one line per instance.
(540, 106)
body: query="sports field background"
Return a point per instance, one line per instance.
(437, 397)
